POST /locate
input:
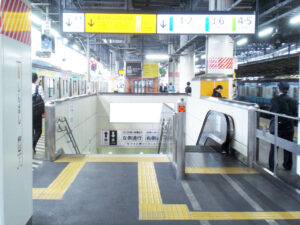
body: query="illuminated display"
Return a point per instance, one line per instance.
(205, 24)
(213, 23)
(120, 23)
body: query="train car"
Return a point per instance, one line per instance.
(59, 84)
(261, 91)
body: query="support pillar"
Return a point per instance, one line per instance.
(298, 129)
(15, 118)
(173, 68)
(186, 64)
(219, 53)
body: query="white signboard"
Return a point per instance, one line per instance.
(205, 24)
(132, 138)
(73, 22)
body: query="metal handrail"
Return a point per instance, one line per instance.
(69, 132)
(278, 114)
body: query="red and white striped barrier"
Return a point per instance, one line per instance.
(15, 21)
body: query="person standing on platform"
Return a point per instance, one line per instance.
(161, 88)
(38, 110)
(171, 88)
(283, 104)
(188, 89)
(217, 91)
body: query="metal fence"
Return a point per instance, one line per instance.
(263, 134)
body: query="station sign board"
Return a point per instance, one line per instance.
(73, 22)
(205, 24)
(120, 23)
(127, 23)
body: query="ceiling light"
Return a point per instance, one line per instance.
(157, 57)
(242, 41)
(265, 32)
(203, 56)
(75, 47)
(295, 19)
(35, 19)
(196, 59)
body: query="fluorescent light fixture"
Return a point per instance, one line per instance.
(196, 59)
(203, 56)
(242, 41)
(295, 20)
(75, 47)
(157, 57)
(265, 32)
(65, 41)
(36, 20)
(54, 33)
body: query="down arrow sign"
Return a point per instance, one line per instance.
(163, 24)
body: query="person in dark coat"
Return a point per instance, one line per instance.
(188, 89)
(283, 104)
(217, 91)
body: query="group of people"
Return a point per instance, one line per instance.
(167, 88)
(171, 89)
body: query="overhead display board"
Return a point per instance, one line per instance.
(73, 22)
(205, 24)
(133, 69)
(120, 23)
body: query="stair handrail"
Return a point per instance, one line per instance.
(69, 132)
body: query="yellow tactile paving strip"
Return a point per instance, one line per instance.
(221, 170)
(114, 159)
(59, 186)
(151, 206)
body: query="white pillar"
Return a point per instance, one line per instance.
(186, 65)
(15, 125)
(173, 68)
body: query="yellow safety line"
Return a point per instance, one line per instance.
(220, 170)
(152, 208)
(114, 159)
(59, 186)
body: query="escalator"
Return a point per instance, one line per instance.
(216, 133)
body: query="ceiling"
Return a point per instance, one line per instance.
(274, 13)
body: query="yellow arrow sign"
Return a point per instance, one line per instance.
(120, 23)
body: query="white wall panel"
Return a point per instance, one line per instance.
(15, 165)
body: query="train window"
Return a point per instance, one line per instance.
(74, 86)
(50, 87)
(275, 91)
(295, 93)
(259, 92)
(67, 87)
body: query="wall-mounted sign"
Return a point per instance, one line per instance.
(205, 24)
(120, 23)
(73, 22)
(132, 138)
(113, 137)
(133, 69)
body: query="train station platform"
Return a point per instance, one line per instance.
(138, 189)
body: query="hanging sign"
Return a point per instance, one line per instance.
(73, 22)
(205, 24)
(150, 70)
(133, 69)
(120, 23)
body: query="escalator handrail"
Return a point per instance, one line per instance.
(230, 127)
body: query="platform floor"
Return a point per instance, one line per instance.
(218, 190)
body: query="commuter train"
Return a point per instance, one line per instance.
(58, 83)
(263, 90)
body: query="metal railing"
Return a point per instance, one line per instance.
(273, 139)
(67, 129)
